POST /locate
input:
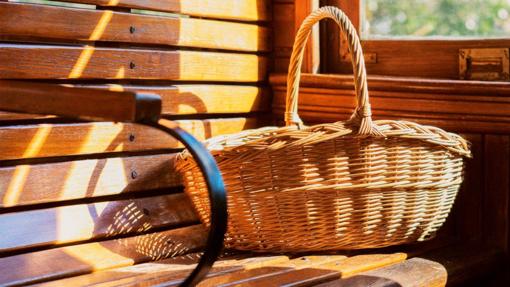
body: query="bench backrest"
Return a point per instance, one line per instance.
(98, 195)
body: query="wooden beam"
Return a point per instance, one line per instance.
(51, 22)
(63, 62)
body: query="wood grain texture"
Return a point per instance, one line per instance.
(26, 20)
(78, 103)
(283, 34)
(204, 98)
(311, 57)
(415, 272)
(468, 263)
(320, 273)
(277, 269)
(497, 189)
(170, 271)
(30, 184)
(182, 99)
(48, 140)
(419, 58)
(468, 207)
(246, 10)
(80, 259)
(66, 62)
(73, 223)
(447, 104)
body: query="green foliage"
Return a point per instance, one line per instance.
(422, 18)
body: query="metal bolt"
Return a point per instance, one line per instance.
(134, 174)
(131, 137)
(132, 29)
(132, 65)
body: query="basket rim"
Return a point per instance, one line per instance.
(275, 138)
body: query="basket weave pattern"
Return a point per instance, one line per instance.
(344, 185)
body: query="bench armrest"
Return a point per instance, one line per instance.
(78, 102)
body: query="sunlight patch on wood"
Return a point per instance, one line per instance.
(101, 25)
(82, 62)
(100, 136)
(20, 175)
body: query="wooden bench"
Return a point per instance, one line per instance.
(88, 195)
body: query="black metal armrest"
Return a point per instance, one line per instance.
(96, 104)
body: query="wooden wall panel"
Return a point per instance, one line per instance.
(497, 190)
(283, 33)
(35, 21)
(447, 104)
(468, 207)
(480, 215)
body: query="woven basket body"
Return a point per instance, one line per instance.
(344, 185)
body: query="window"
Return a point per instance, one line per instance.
(439, 39)
(435, 18)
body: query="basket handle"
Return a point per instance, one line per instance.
(362, 116)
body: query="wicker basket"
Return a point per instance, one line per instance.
(344, 185)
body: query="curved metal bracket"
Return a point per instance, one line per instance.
(217, 198)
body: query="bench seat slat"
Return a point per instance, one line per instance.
(51, 22)
(65, 224)
(51, 140)
(88, 62)
(52, 264)
(168, 270)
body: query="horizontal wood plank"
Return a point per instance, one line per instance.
(66, 62)
(80, 259)
(186, 99)
(170, 271)
(30, 184)
(252, 274)
(315, 274)
(447, 104)
(436, 58)
(49, 140)
(66, 224)
(51, 22)
(247, 10)
(415, 272)
(201, 99)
